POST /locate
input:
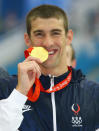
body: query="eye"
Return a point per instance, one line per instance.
(39, 34)
(56, 33)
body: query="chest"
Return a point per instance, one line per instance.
(69, 115)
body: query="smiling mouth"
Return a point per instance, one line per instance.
(52, 52)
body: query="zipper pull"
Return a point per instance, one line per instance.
(52, 82)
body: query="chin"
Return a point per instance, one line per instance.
(49, 64)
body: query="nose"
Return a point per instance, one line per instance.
(48, 41)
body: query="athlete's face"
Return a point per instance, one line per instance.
(50, 34)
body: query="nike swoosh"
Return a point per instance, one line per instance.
(24, 110)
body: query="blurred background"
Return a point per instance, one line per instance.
(83, 17)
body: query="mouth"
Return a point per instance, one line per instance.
(52, 52)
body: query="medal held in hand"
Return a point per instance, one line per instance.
(37, 52)
(42, 54)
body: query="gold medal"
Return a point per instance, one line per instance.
(39, 52)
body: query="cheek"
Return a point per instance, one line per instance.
(36, 42)
(59, 41)
(63, 43)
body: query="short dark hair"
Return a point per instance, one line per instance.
(46, 11)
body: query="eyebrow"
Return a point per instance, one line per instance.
(37, 31)
(58, 30)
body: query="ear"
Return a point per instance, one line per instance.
(27, 40)
(69, 37)
(74, 63)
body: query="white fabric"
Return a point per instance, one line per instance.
(53, 105)
(11, 111)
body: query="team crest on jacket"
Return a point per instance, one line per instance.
(76, 119)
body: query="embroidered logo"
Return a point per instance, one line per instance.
(26, 108)
(76, 120)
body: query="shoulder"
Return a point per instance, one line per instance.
(90, 91)
(79, 77)
(90, 85)
(86, 87)
(7, 85)
(3, 73)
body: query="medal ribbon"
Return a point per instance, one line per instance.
(34, 95)
(59, 86)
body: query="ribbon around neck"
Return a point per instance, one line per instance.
(34, 94)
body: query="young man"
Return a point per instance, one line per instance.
(68, 102)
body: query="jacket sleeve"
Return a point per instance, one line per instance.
(93, 87)
(96, 100)
(11, 111)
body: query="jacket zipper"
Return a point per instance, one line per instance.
(53, 105)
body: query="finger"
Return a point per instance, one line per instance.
(32, 66)
(38, 73)
(38, 70)
(30, 58)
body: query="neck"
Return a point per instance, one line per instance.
(55, 71)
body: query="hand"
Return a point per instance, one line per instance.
(28, 70)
